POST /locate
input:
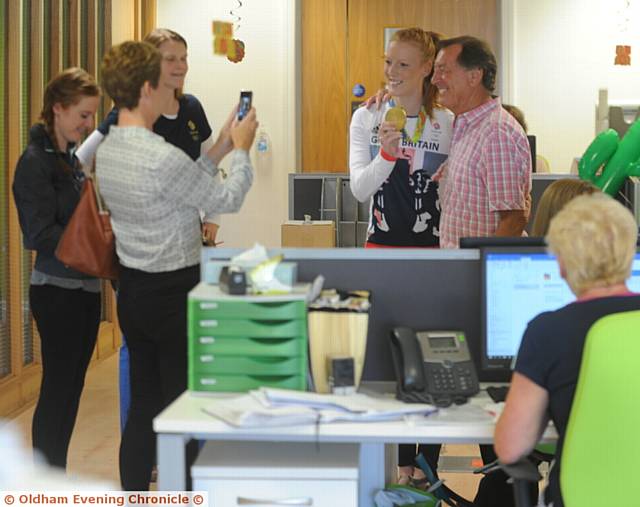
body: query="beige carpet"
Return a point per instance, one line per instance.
(96, 437)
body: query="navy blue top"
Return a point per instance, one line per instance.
(550, 355)
(187, 132)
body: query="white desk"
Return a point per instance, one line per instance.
(184, 420)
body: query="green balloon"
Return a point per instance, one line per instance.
(620, 166)
(599, 151)
(634, 168)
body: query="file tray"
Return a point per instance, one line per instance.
(238, 343)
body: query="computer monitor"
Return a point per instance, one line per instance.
(532, 148)
(517, 285)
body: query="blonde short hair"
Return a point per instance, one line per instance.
(595, 238)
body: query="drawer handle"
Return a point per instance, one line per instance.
(207, 340)
(208, 323)
(208, 306)
(287, 501)
(208, 358)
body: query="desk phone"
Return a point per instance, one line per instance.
(433, 367)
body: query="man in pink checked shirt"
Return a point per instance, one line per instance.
(485, 183)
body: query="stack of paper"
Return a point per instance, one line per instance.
(281, 407)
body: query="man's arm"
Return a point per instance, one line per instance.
(512, 222)
(506, 171)
(522, 421)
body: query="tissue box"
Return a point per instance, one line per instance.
(317, 234)
(286, 272)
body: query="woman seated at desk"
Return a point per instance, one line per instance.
(544, 381)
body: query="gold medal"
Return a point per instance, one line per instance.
(397, 116)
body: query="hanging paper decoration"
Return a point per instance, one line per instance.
(236, 51)
(223, 42)
(623, 51)
(623, 55)
(222, 37)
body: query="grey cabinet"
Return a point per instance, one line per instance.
(327, 196)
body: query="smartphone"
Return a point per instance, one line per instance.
(245, 104)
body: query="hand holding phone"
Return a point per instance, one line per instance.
(245, 103)
(243, 132)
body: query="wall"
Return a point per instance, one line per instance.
(562, 53)
(268, 30)
(123, 27)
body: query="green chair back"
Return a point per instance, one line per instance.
(602, 444)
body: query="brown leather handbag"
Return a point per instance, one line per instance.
(87, 243)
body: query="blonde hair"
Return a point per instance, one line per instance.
(126, 68)
(594, 237)
(428, 44)
(158, 37)
(554, 198)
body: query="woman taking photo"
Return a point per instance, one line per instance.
(154, 191)
(65, 303)
(182, 123)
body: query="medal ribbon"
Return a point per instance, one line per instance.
(417, 134)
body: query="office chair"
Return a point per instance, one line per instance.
(601, 444)
(605, 417)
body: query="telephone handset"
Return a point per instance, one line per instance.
(433, 367)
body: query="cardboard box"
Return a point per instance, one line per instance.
(318, 234)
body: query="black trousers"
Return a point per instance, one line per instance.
(67, 321)
(152, 308)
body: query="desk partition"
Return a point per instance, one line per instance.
(422, 289)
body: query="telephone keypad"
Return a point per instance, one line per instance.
(444, 378)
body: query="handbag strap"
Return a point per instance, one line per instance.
(101, 207)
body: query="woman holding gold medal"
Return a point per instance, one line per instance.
(394, 151)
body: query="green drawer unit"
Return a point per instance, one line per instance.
(207, 310)
(238, 343)
(243, 383)
(249, 327)
(213, 363)
(265, 347)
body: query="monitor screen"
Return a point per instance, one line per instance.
(517, 286)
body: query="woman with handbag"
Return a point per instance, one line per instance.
(65, 303)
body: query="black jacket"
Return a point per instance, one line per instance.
(45, 196)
